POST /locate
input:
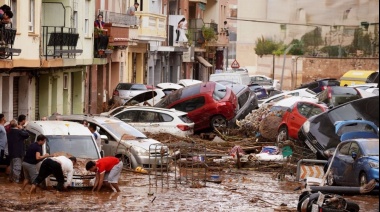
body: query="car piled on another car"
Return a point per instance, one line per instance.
(318, 132)
(124, 91)
(208, 104)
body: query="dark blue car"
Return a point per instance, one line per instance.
(356, 163)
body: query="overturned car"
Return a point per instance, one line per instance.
(318, 132)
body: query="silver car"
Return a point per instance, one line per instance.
(124, 141)
(125, 91)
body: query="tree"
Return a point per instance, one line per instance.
(298, 47)
(312, 40)
(361, 42)
(265, 46)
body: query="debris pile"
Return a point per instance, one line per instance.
(261, 122)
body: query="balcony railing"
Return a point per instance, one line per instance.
(60, 42)
(123, 19)
(7, 38)
(120, 35)
(195, 27)
(153, 26)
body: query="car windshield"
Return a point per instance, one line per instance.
(220, 91)
(120, 129)
(75, 145)
(337, 90)
(371, 147)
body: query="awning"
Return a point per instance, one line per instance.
(204, 62)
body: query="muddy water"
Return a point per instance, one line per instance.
(239, 190)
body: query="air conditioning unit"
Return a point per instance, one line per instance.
(105, 14)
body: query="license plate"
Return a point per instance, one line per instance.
(310, 146)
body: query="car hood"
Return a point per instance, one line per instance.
(143, 143)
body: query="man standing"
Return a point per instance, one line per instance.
(32, 157)
(16, 138)
(92, 128)
(107, 169)
(3, 141)
(58, 166)
(131, 14)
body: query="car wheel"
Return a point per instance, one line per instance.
(126, 161)
(330, 178)
(282, 134)
(363, 179)
(218, 121)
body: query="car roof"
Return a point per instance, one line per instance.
(90, 118)
(290, 101)
(236, 88)
(360, 140)
(58, 128)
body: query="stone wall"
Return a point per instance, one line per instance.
(316, 68)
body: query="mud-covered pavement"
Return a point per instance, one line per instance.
(240, 190)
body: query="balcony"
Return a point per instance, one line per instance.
(60, 42)
(101, 40)
(152, 26)
(7, 38)
(120, 35)
(196, 27)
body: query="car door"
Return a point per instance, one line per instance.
(342, 164)
(131, 117)
(352, 179)
(166, 123)
(297, 117)
(108, 146)
(148, 121)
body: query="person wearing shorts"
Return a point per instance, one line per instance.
(32, 157)
(108, 170)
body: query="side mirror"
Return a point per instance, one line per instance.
(104, 138)
(354, 155)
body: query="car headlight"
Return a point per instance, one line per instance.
(374, 165)
(141, 151)
(306, 126)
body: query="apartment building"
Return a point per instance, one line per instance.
(43, 68)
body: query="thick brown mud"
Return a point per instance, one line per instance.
(240, 190)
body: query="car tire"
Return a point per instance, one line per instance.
(363, 179)
(282, 134)
(127, 162)
(218, 121)
(330, 179)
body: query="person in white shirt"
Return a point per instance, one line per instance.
(92, 128)
(58, 166)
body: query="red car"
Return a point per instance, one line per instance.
(208, 104)
(295, 116)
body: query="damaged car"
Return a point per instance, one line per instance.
(208, 104)
(318, 132)
(356, 162)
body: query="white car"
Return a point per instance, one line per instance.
(373, 90)
(69, 138)
(171, 86)
(154, 120)
(267, 82)
(305, 92)
(148, 98)
(121, 140)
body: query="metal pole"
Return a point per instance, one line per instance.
(274, 63)
(283, 66)
(226, 59)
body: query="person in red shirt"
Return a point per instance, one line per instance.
(107, 169)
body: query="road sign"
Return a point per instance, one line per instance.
(235, 64)
(311, 171)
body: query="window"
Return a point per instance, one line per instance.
(315, 111)
(354, 148)
(149, 116)
(303, 109)
(344, 149)
(31, 16)
(220, 92)
(128, 116)
(166, 117)
(190, 105)
(243, 98)
(14, 10)
(86, 19)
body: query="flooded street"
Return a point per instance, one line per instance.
(239, 190)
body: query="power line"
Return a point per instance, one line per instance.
(295, 24)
